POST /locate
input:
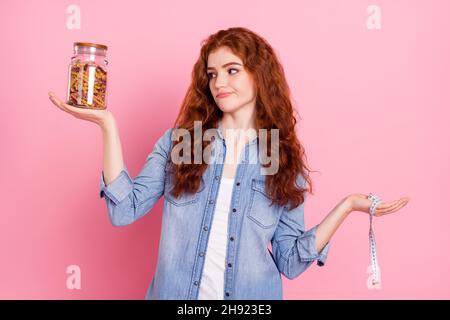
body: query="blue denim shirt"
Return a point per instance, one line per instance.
(252, 270)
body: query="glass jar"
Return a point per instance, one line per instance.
(87, 76)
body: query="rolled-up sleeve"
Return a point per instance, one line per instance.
(293, 248)
(119, 188)
(129, 199)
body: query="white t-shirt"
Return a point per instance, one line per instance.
(212, 281)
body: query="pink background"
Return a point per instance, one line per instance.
(374, 107)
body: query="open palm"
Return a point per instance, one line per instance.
(359, 202)
(97, 116)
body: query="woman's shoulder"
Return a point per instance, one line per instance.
(165, 140)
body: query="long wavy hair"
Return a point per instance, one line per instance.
(274, 110)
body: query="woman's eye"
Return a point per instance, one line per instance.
(210, 75)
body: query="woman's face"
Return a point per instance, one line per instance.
(226, 73)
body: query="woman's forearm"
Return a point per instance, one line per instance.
(331, 223)
(112, 150)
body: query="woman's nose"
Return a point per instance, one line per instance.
(221, 81)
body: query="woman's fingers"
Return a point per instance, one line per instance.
(395, 206)
(96, 116)
(66, 107)
(53, 99)
(386, 205)
(387, 209)
(58, 102)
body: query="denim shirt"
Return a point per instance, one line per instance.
(252, 270)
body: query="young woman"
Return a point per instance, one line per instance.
(222, 206)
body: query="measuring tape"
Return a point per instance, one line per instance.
(373, 245)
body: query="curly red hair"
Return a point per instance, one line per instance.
(274, 110)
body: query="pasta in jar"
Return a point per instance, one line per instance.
(88, 76)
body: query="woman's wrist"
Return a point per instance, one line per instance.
(347, 202)
(108, 123)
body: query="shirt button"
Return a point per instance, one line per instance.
(238, 184)
(201, 254)
(205, 228)
(211, 201)
(231, 238)
(196, 283)
(217, 177)
(227, 294)
(230, 265)
(234, 209)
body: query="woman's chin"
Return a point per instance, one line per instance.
(227, 108)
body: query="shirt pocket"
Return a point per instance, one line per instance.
(260, 211)
(185, 198)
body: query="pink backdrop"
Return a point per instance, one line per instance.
(374, 105)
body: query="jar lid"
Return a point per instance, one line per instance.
(88, 44)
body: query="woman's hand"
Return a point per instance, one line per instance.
(99, 117)
(359, 202)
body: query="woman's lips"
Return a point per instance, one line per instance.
(223, 95)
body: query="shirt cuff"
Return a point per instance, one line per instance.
(119, 188)
(309, 246)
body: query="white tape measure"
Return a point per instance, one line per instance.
(373, 245)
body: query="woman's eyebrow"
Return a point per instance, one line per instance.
(225, 65)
